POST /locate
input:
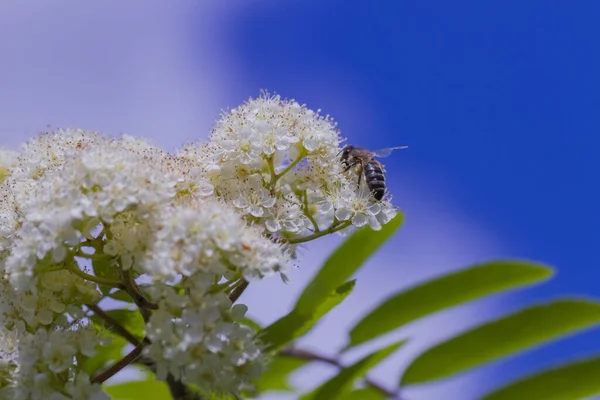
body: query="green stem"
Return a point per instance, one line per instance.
(271, 168)
(51, 268)
(276, 177)
(95, 243)
(107, 231)
(74, 268)
(308, 214)
(333, 228)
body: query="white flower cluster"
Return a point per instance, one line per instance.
(276, 161)
(208, 237)
(40, 365)
(83, 215)
(206, 343)
(64, 201)
(56, 295)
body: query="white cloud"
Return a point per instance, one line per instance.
(148, 68)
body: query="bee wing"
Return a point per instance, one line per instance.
(382, 153)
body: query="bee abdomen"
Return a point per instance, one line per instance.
(375, 179)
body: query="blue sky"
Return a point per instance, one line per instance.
(497, 101)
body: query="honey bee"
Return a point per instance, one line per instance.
(372, 169)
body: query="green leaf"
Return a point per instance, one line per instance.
(121, 295)
(139, 390)
(510, 334)
(342, 383)
(444, 292)
(276, 375)
(105, 355)
(251, 323)
(344, 262)
(129, 319)
(576, 380)
(368, 393)
(104, 268)
(295, 324)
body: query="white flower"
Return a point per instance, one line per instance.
(285, 215)
(57, 354)
(254, 200)
(81, 388)
(361, 208)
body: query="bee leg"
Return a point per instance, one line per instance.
(348, 166)
(360, 173)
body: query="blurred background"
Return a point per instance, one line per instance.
(498, 102)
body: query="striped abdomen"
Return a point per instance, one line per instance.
(375, 179)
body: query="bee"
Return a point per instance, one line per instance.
(372, 169)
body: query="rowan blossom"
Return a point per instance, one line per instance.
(206, 344)
(38, 365)
(91, 184)
(84, 217)
(271, 157)
(209, 236)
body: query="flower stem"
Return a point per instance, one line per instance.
(271, 167)
(333, 228)
(276, 177)
(51, 268)
(308, 213)
(74, 268)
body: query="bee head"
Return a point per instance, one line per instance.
(346, 152)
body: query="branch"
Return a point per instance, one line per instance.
(119, 365)
(239, 289)
(136, 294)
(311, 356)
